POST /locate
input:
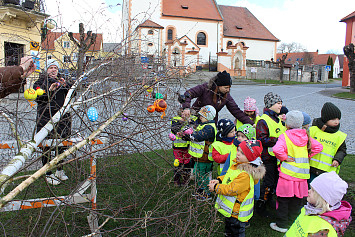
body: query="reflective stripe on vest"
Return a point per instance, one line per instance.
(300, 167)
(331, 143)
(305, 225)
(196, 149)
(180, 143)
(224, 204)
(275, 129)
(222, 149)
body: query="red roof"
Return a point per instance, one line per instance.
(240, 22)
(351, 15)
(201, 9)
(48, 43)
(292, 58)
(322, 59)
(150, 24)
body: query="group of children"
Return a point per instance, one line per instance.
(284, 152)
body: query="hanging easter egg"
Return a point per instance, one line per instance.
(151, 108)
(158, 96)
(160, 105)
(92, 114)
(172, 137)
(39, 91)
(149, 90)
(124, 118)
(176, 162)
(30, 94)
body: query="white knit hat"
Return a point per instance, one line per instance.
(51, 62)
(294, 119)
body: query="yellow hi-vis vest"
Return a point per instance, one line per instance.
(275, 129)
(223, 149)
(225, 204)
(305, 225)
(331, 143)
(238, 124)
(196, 149)
(178, 141)
(300, 167)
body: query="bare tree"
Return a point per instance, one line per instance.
(282, 66)
(291, 48)
(307, 58)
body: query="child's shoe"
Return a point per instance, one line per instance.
(61, 175)
(51, 179)
(279, 229)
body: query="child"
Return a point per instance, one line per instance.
(268, 129)
(223, 147)
(180, 147)
(306, 121)
(326, 130)
(200, 141)
(245, 132)
(236, 189)
(325, 213)
(293, 149)
(251, 110)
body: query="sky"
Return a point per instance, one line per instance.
(312, 23)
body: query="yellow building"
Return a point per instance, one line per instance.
(20, 29)
(58, 45)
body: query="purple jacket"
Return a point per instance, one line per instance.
(204, 94)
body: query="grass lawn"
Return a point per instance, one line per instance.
(346, 95)
(137, 193)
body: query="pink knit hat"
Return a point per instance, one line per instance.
(250, 105)
(330, 187)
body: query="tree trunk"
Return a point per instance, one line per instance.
(350, 54)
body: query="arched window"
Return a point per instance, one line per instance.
(150, 44)
(170, 34)
(201, 38)
(150, 32)
(229, 43)
(242, 43)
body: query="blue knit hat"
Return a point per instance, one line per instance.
(306, 119)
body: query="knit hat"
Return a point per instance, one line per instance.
(329, 112)
(248, 130)
(250, 105)
(330, 187)
(51, 62)
(223, 79)
(252, 149)
(270, 99)
(306, 119)
(283, 110)
(224, 126)
(294, 119)
(208, 112)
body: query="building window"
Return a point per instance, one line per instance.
(201, 38)
(150, 44)
(75, 57)
(229, 43)
(242, 43)
(170, 34)
(66, 59)
(66, 44)
(150, 32)
(49, 57)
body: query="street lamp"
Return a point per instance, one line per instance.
(47, 24)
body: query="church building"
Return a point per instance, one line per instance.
(193, 33)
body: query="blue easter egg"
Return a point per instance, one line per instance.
(92, 114)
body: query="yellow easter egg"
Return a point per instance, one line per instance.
(149, 90)
(30, 94)
(39, 91)
(176, 163)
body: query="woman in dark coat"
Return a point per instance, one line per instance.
(215, 93)
(48, 104)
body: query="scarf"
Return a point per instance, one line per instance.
(312, 210)
(320, 124)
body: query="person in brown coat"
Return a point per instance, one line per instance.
(13, 77)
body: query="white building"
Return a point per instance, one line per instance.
(189, 33)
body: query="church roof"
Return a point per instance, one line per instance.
(351, 15)
(240, 22)
(151, 24)
(200, 9)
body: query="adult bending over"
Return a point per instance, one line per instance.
(215, 93)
